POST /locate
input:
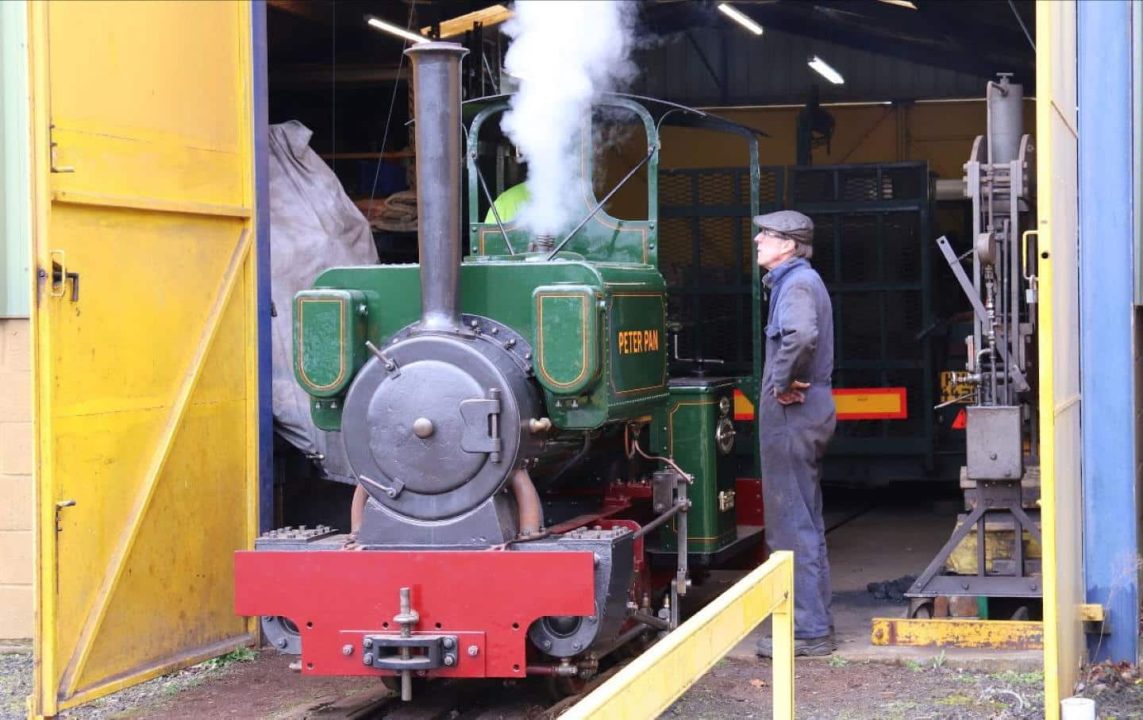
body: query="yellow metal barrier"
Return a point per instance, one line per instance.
(658, 677)
(959, 633)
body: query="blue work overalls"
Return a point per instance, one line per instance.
(799, 346)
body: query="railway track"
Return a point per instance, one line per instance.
(490, 699)
(452, 700)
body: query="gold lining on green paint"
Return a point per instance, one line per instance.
(611, 375)
(671, 453)
(540, 336)
(300, 343)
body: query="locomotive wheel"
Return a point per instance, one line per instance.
(636, 647)
(563, 687)
(282, 634)
(921, 609)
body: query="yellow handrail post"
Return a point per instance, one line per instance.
(658, 677)
(782, 626)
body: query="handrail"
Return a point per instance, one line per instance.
(658, 677)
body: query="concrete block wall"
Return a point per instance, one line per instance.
(17, 555)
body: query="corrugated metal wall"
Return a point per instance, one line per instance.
(773, 69)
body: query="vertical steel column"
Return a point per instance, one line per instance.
(261, 130)
(1110, 483)
(927, 361)
(694, 282)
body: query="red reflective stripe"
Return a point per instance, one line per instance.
(743, 408)
(871, 403)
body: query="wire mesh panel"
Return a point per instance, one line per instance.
(675, 189)
(860, 248)
(859, 329)
(872, 236)
(809, 186)
(719, 187)
(771, 187)
(871, 247)
(859, 183)
(901, 242)
(825, 259)
(705, 255)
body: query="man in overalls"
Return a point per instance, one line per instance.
(796, 419)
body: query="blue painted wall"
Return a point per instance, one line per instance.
(261, 117)
(1111, 560)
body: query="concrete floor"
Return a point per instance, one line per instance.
(885, 543)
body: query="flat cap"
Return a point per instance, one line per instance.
(790, 223)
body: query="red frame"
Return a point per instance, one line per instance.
(748, 502)
(488, 598)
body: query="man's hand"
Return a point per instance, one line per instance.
(794, 396)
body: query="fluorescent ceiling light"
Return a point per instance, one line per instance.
(394, 30)
(493, 15)
(901, 3)
(737, 16)
(821, 67)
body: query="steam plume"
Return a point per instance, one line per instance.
(564, 54)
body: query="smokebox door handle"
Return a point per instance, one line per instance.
(481, 425)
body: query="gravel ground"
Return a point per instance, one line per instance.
(827, 689)
(1117, 689)
(16, 685)
(837, 690)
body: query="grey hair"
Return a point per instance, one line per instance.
(803, 250)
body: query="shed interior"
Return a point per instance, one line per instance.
(877, 161)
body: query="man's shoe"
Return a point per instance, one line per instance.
(803, 647)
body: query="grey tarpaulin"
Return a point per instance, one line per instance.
(313, 226)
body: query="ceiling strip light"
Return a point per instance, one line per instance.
(739, 17)
(821, 67)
